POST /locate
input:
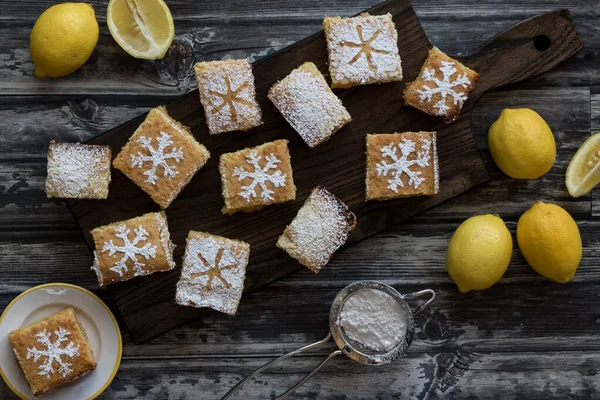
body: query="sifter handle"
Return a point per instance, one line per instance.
(419, 294)
(284, 357)
(307, 377)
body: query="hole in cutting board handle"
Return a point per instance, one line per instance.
(542, 43)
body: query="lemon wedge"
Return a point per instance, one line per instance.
(143, 28)
(583, 172)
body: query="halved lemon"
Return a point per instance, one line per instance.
(583, 172)
(143, 28)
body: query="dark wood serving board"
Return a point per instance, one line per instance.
(147, 305)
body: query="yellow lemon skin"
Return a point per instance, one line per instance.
(522, 144)
(479, 252)
(549, 239)
(583, 172)
(63, 39)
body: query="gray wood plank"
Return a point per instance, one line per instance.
(215, 29)
(452, 373)
(287, 314)
(595, 128)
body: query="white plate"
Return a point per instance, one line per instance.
(99, 323)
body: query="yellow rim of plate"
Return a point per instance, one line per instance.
(120, 353)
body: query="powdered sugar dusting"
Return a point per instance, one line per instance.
(260, 176)
(363, 50)
(158, 158)
(136, 249)
(229, 96)
(52, 352)
(308, 104)
(403, 157)
(321, 226)
(213, 273)
(78, 171)
(374, 319)
(452, 85)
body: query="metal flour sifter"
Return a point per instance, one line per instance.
(346, 345)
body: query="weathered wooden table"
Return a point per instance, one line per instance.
(524, 338)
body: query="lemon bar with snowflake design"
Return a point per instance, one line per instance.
(256, 177)
(322, 226)
(228, 95)
(213, 272)
(401, 165)
(52, 351)
(78, 171)
(136, 247)
(442, 86)
(362, 50)
(161, 157)
(308, 104)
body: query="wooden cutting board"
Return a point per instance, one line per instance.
(146, 304)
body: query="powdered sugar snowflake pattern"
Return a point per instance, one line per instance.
(214, 269)
(53, 352)
(158, 157)
(130, 250)
(401, 165)
(444, 87)
(213, 272)
(260, 176)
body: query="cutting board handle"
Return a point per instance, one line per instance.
(526, 49)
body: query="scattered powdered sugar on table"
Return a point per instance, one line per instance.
(374, 319)
(308, 104)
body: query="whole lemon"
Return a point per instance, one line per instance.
(479, 252)
(522, 144)
(63, 39)
(550, 241)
